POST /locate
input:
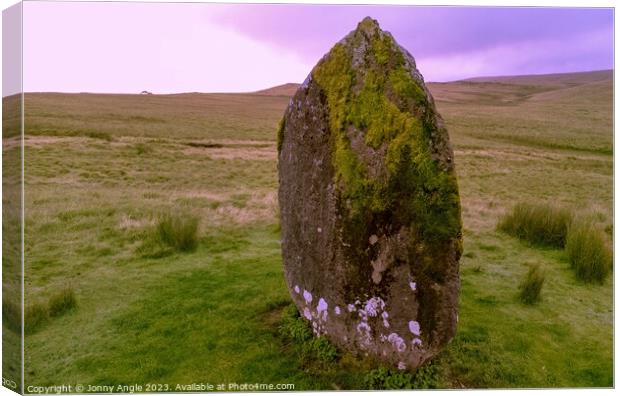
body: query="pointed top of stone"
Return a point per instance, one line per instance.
(369, 26)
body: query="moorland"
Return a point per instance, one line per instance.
(114, 297)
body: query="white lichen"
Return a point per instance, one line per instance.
(363, 327)
(307, 296)
(402, 366)
(414, 327)
(374, 305)
(397, 342)
(322, 306)
(337, 310)
(412, 285)
(307, 313)
(296, 288)
(365, 338)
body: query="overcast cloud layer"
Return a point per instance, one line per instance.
(175, 47)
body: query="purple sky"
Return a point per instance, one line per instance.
(177, 47)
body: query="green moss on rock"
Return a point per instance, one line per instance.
(389, 109)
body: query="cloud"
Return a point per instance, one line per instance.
(588, 51)
(453, 41)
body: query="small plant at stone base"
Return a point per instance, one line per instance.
(425, 377)
(531, 286)
(179, 230)
(293, 326)
(309, 347)
(588, 252)
(321, 349)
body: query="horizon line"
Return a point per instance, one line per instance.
(294, 83)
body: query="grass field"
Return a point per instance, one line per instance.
(102, 169)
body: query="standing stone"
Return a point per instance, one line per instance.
(371, 222)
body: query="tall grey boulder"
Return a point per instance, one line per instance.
(370, 210)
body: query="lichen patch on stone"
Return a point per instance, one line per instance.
(414, 327)
(322, 306)
(307, 296)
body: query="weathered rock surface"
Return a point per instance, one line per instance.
(370, 211)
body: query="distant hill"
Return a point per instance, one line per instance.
(542, 81)
(561, 87)
(555, 80)
(280, 90)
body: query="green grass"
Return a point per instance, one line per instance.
(531, 286)
(539, 224)
(588, 251)
(11, 240)
(149, 312)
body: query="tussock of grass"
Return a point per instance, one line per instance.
(35, 315)
(588, 252)
(62, 302)
(531, 286)
(539, 224)
(179, 230)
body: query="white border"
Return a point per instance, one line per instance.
(487, 3)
